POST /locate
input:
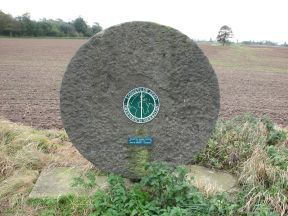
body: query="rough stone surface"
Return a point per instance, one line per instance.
(211, 181)
(124, 57)
(58, 181)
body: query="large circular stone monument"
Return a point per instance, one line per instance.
(139, 92)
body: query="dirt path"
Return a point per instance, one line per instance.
(252, 79)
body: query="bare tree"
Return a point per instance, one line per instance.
(224, 34)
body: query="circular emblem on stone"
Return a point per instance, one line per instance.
(141, 105)
(109, 73)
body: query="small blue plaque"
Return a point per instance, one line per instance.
(140, 140)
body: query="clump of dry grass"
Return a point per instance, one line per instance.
(232, 143)
(266, 182)
(255, 150)
(24, 152)
(6, 165)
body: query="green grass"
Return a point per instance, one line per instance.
(66, 205)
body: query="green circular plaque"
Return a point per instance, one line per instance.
(141, 105)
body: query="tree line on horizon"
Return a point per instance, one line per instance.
(24, 26)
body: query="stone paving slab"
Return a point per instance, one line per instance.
(57, 181)
(211, 181)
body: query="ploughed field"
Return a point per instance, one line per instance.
(252, 79)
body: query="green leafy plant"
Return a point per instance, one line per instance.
(88, 182)
(163, 191)
(278, 156)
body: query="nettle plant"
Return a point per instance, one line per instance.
(163, 191)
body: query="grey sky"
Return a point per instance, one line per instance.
(249, 19)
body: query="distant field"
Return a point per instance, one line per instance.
(248, 58)
(252, 79)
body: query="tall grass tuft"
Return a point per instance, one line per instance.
(254, 150)
(233, 142)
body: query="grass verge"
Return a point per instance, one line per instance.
(250, 148)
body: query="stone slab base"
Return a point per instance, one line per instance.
(57, 181)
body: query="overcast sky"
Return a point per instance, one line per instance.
(202, 19)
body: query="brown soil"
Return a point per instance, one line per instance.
(252, 79)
